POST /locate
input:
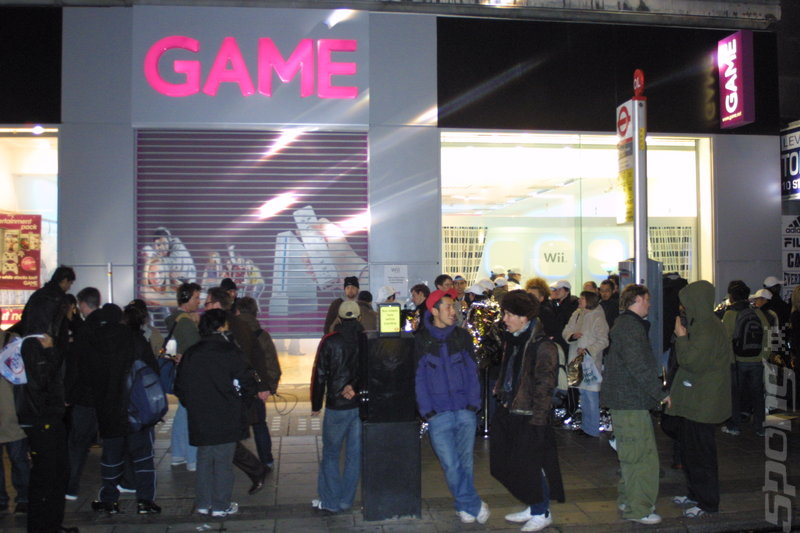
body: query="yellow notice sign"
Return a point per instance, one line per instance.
(389, 319)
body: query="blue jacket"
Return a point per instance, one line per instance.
(447, 376)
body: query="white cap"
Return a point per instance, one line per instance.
(763, 293)
(501, 282)
(561, 284)
(499, 270)
(476, 289)
(771, 281)
(385, 292)
(515, 270)
(485, 284)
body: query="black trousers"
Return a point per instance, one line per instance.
(138, 447)
(699, 457)
(49, 474)
(247, 462)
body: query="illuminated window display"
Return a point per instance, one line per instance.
(282, 213)
(28, 215)
(550, 203)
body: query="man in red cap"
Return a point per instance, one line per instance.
(448, 396)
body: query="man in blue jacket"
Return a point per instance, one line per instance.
(448, 396)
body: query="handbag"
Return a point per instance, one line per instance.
(575, 371)
(591, 374)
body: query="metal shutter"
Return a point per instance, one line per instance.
(283, 213)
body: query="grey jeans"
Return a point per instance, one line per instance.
(214, 480)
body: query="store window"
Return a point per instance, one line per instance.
(551, 204)
(28, 215)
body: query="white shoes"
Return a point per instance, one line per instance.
(538, 522)
(520, 517)
(232, 509)
(683, 500)
(648, 520)
(483, 515)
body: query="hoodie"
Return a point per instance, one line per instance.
(701, 390)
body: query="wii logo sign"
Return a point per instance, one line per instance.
(554, 257)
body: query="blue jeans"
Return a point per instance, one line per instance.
(336, 489)
(590, 409)
(20, 470)
(452, 436)
(261, 435)
(748, 392)
(181, 449)
(544, 505)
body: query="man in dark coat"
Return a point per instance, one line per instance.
(110, 351)
(40, 402)
(212, 379)
(335, 378)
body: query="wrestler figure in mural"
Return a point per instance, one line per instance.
(167, 264)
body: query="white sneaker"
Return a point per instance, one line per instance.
(125, 490)
(483, 514)
(538, 522)
(613, 443)
(233, 508)
(648, 520)
(317, 504)
(191, 467)
(520, 517)
(465, 517)
(70, 497)
(177, 461)
(203, 511)
(730, 431)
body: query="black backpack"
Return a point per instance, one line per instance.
(748, 333)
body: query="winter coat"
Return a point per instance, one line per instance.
(447, 375)
(702, 384)
(205, 385)
(765, 316)
(185, 330)
(76, 382)
(9, 424)
(46, 312)
(336, 366)
(265, 355)
(630, 374)
(41, 400)
(533, 374)
(113, 347)
(592, 325)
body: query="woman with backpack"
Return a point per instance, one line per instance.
(212, 379)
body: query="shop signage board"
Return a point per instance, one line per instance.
(790, 163)
(250, 66)
(21, 237)
(790, 252)
(736, 80)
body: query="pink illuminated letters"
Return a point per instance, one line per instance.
(230, 67)
(735, 63)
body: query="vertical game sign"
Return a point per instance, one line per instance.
(21, 237)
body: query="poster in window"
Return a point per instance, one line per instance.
(21, 237)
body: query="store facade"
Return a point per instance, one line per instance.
(288, 148)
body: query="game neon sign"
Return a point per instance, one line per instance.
(312, 59)
(736, 93)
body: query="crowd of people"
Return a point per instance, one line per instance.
(520, 342)
(523, 340)
(80, 358)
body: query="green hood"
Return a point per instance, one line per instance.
(698, 300)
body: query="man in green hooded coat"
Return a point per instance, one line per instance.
(701, 396)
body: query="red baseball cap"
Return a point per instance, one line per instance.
(437, 295)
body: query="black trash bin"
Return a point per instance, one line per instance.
(390, 474)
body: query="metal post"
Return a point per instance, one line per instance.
(639, 123)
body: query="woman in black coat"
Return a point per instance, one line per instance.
(211, 380)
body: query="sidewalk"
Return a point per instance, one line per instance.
(589, 468)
